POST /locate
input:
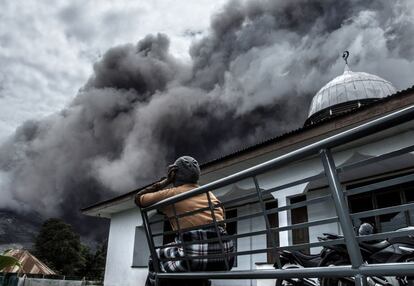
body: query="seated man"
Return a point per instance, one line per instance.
(184, 175)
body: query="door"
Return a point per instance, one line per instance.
(274, 222)
(299, 215)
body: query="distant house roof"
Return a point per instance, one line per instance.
(30, 264)
(292, 138)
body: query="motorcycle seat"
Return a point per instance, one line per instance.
(375, 246)
(307, 260)
(328, 235)
(402, 240)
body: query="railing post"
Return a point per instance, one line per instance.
(216, 226)
(148, 233)
(360, 280)
(268, 227)
(341, 209)
(180, 235)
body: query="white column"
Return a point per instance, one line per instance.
(282, 200)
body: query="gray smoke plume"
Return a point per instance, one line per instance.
(252, 77)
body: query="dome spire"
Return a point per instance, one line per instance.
(345, 56)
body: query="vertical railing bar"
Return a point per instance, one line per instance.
(343, 213)
(157, 281)
(150, 241)
(268, 227)
(360, 280)
(213, 215)
(183, 244)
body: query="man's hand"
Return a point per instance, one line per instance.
(172, 170)
(157, 186)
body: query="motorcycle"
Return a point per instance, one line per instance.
(297, 259)
(399, 249)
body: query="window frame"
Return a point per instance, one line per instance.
(399, 189)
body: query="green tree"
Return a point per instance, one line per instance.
(60, 247)
(95, 262)
(99, 260)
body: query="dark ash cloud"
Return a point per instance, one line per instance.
(250, 78)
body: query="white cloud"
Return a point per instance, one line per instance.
(47, 48)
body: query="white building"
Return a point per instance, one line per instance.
(347, 101)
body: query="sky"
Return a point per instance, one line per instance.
(47, 48)
(97, 98)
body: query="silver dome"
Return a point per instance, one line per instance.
(350, 86)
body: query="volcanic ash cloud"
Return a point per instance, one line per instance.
(252, 77)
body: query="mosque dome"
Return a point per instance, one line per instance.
(347, 91)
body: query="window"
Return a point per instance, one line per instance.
(409, 198)
(141, 251)
(360, 203)
(382, 198)
(390, 221)
(274, 222)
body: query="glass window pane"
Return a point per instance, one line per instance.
(362, 202)
(141, 251)
(409, 196)
(391, 221)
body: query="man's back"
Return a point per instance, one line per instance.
(191, 204)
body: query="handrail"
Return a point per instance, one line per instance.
(338, 196)
(337, 271)
(368, 128)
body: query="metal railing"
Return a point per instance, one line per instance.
(337, 195)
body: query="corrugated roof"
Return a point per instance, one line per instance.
(271, 140)
(30, 264)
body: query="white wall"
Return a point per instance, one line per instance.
(118, 270)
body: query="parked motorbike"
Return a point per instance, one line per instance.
(297, 259)
(399, 249)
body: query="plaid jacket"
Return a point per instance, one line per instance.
(195, 249)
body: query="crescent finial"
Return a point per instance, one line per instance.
(345, 56)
